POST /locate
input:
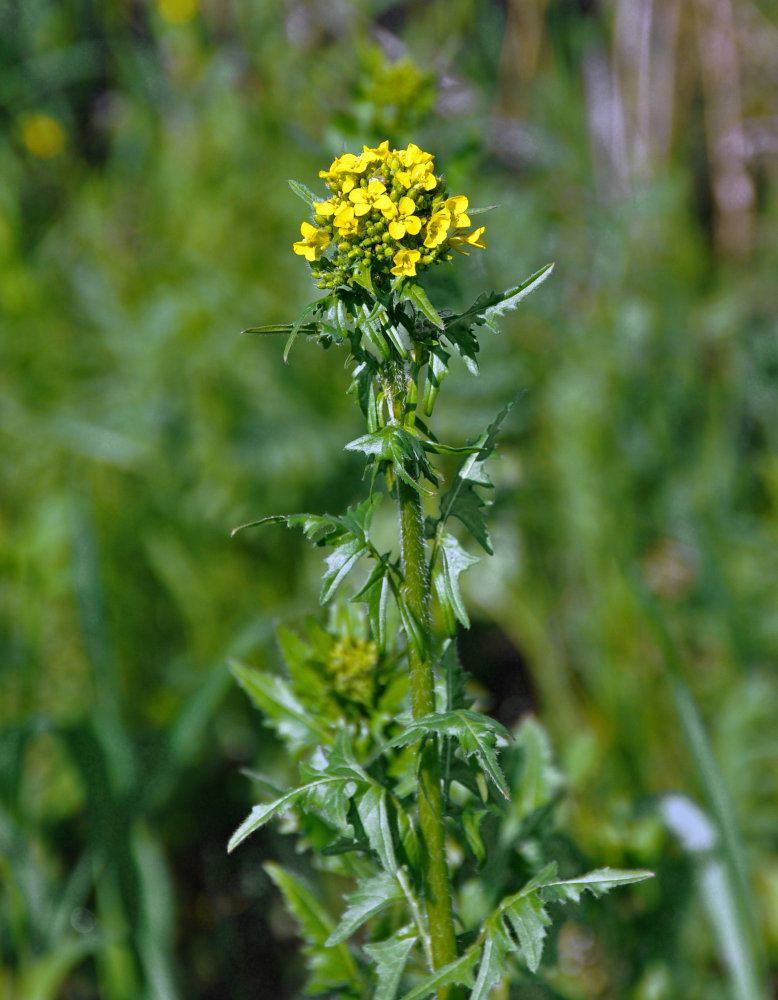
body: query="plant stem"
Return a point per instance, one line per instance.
(437, 889)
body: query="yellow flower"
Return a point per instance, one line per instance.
(347, 163)
(405, 221)
(177, 11)
(468, 239)
(457, 207)
(314, 242)
(405, 262)
(420, 175)
(372, 196)
(413, 155)
(387, 211)
(375, 155)
(341, 170)
(345, 220)
(437, 228)
(43, 136)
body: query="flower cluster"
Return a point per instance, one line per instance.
(389, 210)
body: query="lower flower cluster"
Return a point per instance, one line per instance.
(388, 211)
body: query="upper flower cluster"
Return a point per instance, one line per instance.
(388, 209)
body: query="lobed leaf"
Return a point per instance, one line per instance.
(390, 957)
(402, 448)
(283, 710)
(369, 898)
(461, 500)
(339, 563)
(598, 882)
(374, 816)
(454, 562)
(518, 926)
(476, 734)
(513, 296)
(331, 967)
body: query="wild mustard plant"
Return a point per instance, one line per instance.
(433, 810)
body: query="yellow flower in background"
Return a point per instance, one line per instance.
(314, 242)
(468, 239)
(405, 221)
(43, 135)
(405, 262)
(178, 11)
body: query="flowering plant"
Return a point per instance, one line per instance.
(387, 208)
(405, 788)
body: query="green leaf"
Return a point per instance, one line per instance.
(331, 967)
(416, 294)
(513, 296)
(295, 723)
(490, 305)
(415, 635)
(364, 277)
(539, 779)
(369, 898)
(437, 370)
(471, 825)
(456, 678)
(304, 193)
(334, 787)
(491, 968)
(297, 326)
(486, 310)
(376, 593)
(480, 211)
(476, 734)
(463, 503)
(454, 561)
(400, 447)
(339, 563)
(279, 328)
(518, 926)
(528, 920)
(598, 882)
(308, 682)
(374, 817)
(390, 957)
(408, 838)
(461, 338)
(457, 972)
(461, 500)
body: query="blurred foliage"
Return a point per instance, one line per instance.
(145, 219)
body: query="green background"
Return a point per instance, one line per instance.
(145, 220)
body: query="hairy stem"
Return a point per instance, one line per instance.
(436, 876)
